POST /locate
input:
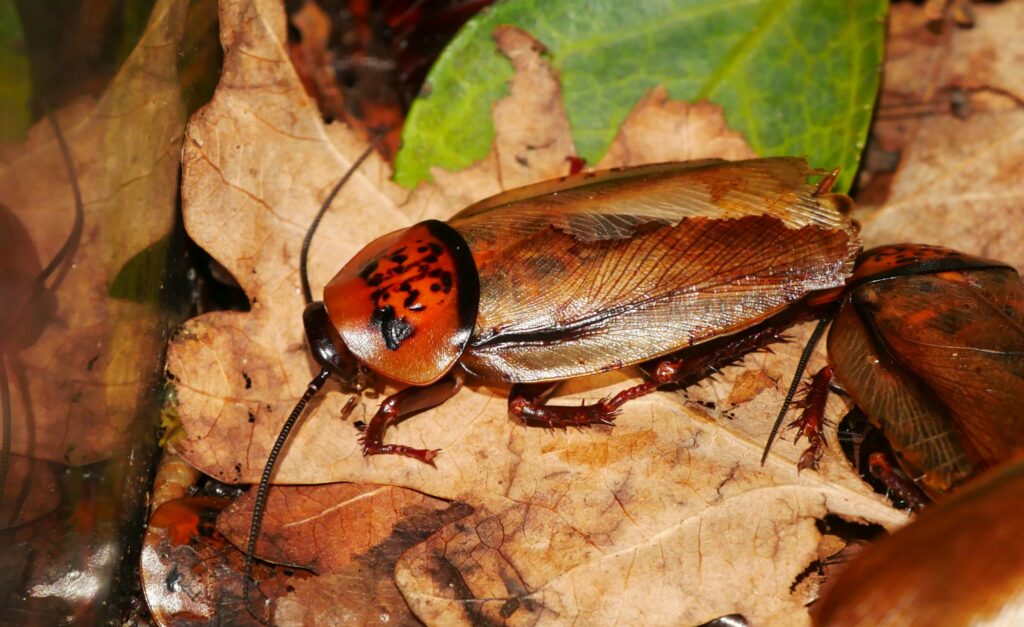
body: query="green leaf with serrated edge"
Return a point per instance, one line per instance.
(797, 77)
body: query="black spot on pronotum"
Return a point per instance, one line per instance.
(410, 300)
(394, 330)
(368, 270)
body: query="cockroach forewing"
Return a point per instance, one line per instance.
(612, 204)
(920, 431)
(552, 307)
(961, 334)
(603, 272)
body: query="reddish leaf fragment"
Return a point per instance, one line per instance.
(325, 528)
(192, 575)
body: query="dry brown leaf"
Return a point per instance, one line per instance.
(698, 131)
(30, 492)
(351, 535)
(325, 528)
(667, 517)
(78, 386)
(959, 183)
(363, 595)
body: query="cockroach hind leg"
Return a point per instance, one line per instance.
(825, 186)
(400, 406)
(811, 422)
(527, 403)
(898, 486)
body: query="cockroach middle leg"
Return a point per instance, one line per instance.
(701, 361)
(402, 405)
(528, 402)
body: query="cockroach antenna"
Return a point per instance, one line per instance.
(330, 361)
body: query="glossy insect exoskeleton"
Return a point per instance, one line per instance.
(590, 273)
(929, 343)
(565, 278)
(960, 563)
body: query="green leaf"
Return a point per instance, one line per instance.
(15, 77)
(797, 77)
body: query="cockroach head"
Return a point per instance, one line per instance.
(329, 351)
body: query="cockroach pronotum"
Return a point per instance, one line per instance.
(588, 273)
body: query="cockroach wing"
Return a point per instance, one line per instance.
(609, 269)
(613, 204)
(920, 430)
(961, 335)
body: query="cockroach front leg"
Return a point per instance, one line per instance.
(402, 405)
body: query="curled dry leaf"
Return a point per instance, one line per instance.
(959, 183)
(666, 517)
(191, 575)
(77, 384)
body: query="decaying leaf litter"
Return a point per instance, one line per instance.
(952, 104)
(77, 385)
(656, 519)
